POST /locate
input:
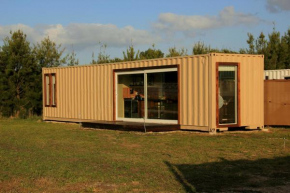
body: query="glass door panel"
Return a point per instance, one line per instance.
(130, 96)
(227, 94)
(162, 95)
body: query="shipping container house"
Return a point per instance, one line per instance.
(201, 92)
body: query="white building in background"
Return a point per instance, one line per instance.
(277, 74)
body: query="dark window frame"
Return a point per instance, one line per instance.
(237, 64)
(50, 75)
(148, 68)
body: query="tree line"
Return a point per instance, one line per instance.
(21, 73)
(275, 48)
(21, 64)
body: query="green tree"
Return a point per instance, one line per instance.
(250, 42)
(93, 59)
(103, 57)
(227, 50)
(261, 44)
(3, 83)
(173, 52)
(72, 59)
(115, 60)
(151, 53)
(283, 54)
(19, 78)
(49, 54)
(273, 50)
(131, 54)
(200, 48)
(286, 40)
(242, 51)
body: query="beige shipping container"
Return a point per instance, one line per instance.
(200, 92)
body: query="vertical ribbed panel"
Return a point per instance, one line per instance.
(183, 97)
(189, 93)
(86, 92)
(199, 92)
(78, 94)
(67, 94)
(194, 90)
(251, 87)
(73, 93)
(206, 91)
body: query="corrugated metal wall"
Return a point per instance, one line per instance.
(276, 74)
(86, 92)
(251, 87)
(277, 102)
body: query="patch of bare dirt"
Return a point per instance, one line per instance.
(49, 185)
(44, 182)
(101, 187)
(130, 145)
(14, 185)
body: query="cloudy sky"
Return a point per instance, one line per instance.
(82, 25)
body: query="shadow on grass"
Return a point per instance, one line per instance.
(233, 176)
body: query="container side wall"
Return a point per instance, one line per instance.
(251, 87)
(86, 92)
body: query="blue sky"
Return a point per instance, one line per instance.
(83, 24)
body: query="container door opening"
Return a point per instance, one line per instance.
(147, 95)
(227, 95)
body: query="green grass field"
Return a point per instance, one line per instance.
(49, 157)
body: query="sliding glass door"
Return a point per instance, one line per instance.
(148, 95)
(130, 92)
(162, 100)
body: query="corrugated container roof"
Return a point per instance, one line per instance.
(158, 59)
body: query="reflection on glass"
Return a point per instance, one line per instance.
(162, 91)
(130, 96)
(53, 89)
(227, 94)
(47, 90)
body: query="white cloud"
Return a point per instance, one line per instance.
(275, 6)
(170, 22)
(84, 35)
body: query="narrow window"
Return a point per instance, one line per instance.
(53, 90)
(46, 89)
(50, 90)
